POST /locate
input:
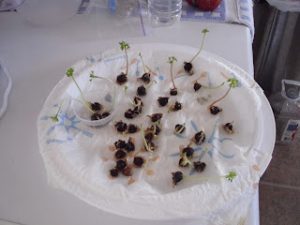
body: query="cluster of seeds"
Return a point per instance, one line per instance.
(98, 111)
(136, 110)
(122, 127)
(152, 132)
(121, 154)
(187, 154)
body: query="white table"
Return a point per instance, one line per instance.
(36, 59)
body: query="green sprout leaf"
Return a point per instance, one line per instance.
(70, 72)
(54, 118)
(125, 88)
(204, 31)
(231, 175)
(172, 59)
(233, 82)
(92, 75)
(124, 45)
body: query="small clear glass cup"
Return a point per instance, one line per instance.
(101, 90)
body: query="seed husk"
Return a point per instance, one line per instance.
(228, 127)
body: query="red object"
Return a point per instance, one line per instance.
(205, 5)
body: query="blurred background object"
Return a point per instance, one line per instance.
(8, 5)
(48, 12)
(276, 45)
(164, 12)
(276, 54)
(205, 5)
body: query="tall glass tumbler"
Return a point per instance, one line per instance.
(164, 12)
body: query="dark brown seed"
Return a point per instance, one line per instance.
(141, 91)
(96, 116)
(105, 114)
(129, 114)
(163, 101)
(145, 78)
(96, 106)
(188, 151)
(132, 128)
(177, 177)
(127, 171)
(215, 110)
(120, 154)
(130, 145)
(122, 78)
(173, 91)
(121, 126)
(156, 117)
(199, 166)
(228, 127)
(177, 106)
(121, 164)
(179, 128)
(188, 67)
(199, 137)
(138, 161)
(120, 144)
(114, 172)
(197, 86)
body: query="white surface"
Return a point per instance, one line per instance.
(37, 59)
